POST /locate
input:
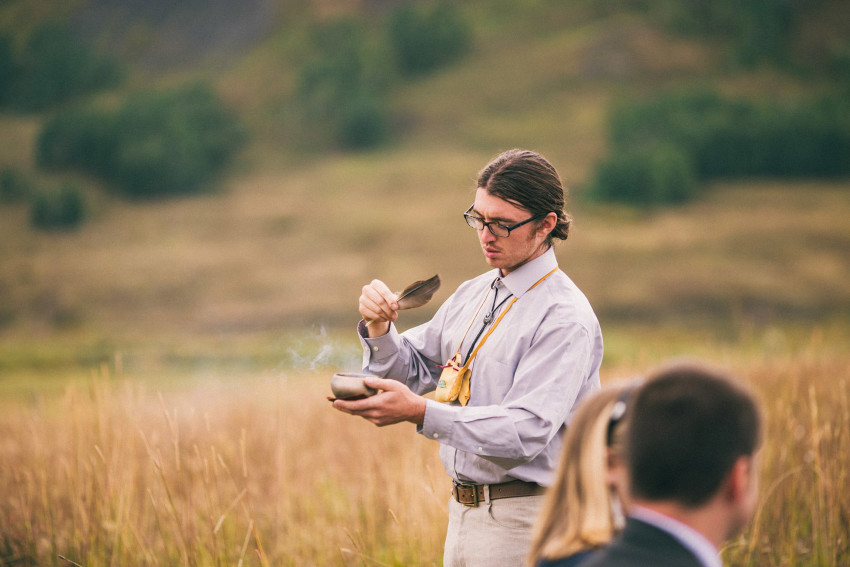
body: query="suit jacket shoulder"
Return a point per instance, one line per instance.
(570, 561)
(643, 545)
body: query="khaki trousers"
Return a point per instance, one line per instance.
(495, 533)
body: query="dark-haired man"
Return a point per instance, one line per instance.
(522, 345)
(691, 440)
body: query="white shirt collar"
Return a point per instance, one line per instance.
(520, 280)
(696, 543)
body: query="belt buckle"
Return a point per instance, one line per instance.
(468, 486)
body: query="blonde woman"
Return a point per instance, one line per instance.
(582, 510)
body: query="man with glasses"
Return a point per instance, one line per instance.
(520, 343)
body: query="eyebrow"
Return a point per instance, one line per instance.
(494, 219)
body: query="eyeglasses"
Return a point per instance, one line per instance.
(495, 228)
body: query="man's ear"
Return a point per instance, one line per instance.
(548, 223)
(616, 476)
(740, 478)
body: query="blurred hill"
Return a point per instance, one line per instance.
(297, 228)
(160, 35)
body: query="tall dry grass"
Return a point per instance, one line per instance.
(804, 512)
(265, 473)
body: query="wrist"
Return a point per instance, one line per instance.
(418, 417)
(377, 328)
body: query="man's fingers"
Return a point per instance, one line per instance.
(370, 309)
(380, 287)
(354, 406)
(383, 383)
(377, 302)
(390, 406)
(385, 296)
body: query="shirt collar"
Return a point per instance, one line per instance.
(520, 280)
(696, 543)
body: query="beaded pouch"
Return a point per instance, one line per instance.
(452, 381)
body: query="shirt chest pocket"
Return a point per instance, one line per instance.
(491, 379)
(505, 347)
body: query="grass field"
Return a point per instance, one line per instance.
(257, 469)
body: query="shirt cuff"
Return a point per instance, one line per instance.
(438, 421)
(378, 348)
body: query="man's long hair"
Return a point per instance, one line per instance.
(528, 180)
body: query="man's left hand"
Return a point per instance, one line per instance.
(396, 403)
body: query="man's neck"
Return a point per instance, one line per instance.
(542, 249)
(537, 253)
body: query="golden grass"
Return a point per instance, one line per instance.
(804, 511)
(264, 472)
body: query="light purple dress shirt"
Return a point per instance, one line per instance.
(527, 378)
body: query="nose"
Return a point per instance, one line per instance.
(484, 235)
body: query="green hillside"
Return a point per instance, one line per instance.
(298, 225)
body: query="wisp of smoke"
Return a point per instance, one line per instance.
(318, 351)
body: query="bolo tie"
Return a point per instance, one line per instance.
(488, 317)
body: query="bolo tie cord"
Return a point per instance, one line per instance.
(488, 317)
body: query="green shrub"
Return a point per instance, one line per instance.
(172, 142)
(343, 84)
(428, 35)
(805, 140)
(363, 124)
(56, 66)
(645, 176)
(333, 74)
(8, 70)
(756, 30)
(58, 209)
(342, 87)
(733, 138)
(82, 138)
(839, 61)
(14, 187)
(156, 144)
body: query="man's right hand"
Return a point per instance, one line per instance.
(378, 307)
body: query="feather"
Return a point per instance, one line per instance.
(418, 293)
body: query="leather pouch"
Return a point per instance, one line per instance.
(451, 382)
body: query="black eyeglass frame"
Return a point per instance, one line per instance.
(473, 220)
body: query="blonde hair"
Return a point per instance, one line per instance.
(577, 513)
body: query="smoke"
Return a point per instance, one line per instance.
(318, 350)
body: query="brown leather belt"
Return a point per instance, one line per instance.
(472, 494)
